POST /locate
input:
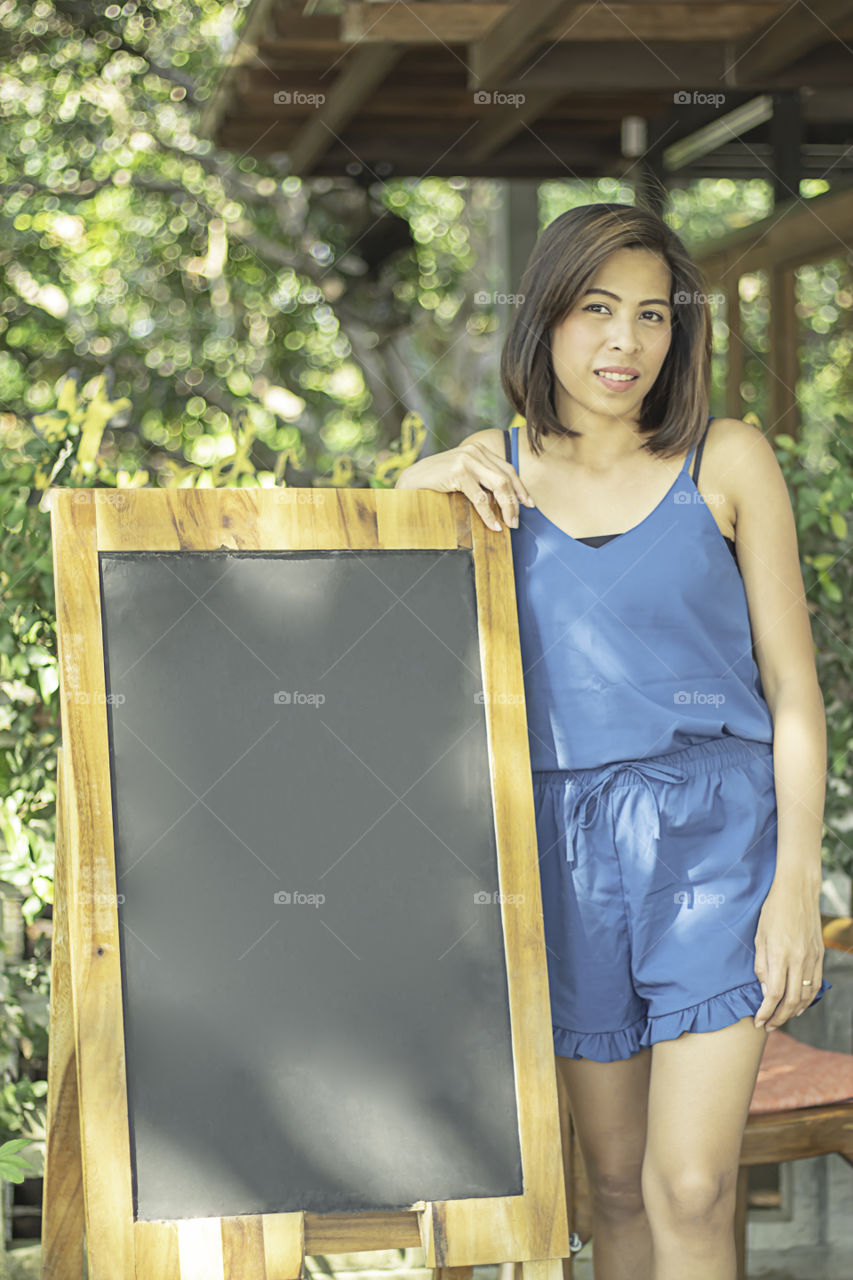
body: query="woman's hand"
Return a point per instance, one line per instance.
(474, 470)
(788, 948)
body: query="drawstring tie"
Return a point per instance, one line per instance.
(581, 807)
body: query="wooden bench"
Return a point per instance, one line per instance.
(802, 1104)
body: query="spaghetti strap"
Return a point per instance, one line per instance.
(698, 462)
(507, 445)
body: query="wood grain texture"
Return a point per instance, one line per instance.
(531, 1227)
(62, 1189)
(284, 1245)
(200, 1249)
(156, 1250)
(91, 882)
(243, 1248)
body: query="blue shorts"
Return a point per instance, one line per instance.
(653, 875)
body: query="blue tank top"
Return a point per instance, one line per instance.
(638, 647)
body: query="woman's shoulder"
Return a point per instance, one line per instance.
(738, 460)
(735, 446)
(491, 437)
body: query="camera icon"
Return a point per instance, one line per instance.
(482, 96)
(282, 98)
(681, 698)
(281, 896)
(681, 497)
(481, 896)
(681, 98)
(282, 696)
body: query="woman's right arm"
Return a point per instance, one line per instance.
(477, 469)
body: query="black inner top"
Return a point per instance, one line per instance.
(599, 539)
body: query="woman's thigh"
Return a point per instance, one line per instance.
(608, 1101)
(700, 1089)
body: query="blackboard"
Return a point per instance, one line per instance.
(311, 724)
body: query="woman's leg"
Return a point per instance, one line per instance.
(608, 1104)
(699, 1094)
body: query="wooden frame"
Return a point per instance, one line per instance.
(531, 1227)
(778, 1136)
(384, 84)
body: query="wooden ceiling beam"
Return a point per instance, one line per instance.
(785, 40)
(420, 22)
(575, 70)
(513, 41)
(426, 22)
(662, 66)
(363, 72)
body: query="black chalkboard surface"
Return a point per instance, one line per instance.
(313, 974)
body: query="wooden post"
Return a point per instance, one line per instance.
(734, 370)
(62, 1190)
(783, 414)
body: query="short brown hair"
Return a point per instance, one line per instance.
(566, 257)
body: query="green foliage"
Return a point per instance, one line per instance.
(820, 481)
(177, 316)
(13, 1167)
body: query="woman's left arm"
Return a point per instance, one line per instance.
(788, 941)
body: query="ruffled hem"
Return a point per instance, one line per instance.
(600, 1046)
(709, 1015)
(713, 1014)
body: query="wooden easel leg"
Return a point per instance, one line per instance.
(62, 1196)
(740, 1220)
(548, 1269)
(452, 1273)
(570, 1155)
(573, 1176)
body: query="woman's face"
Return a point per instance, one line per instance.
(623, 319)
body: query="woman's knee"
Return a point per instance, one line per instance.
(689, 1193)
(616, 1192)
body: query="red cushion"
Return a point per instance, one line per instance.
(794, 1075)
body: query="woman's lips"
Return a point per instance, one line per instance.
(614, 384)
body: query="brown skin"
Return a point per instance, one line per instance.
(661, 1132)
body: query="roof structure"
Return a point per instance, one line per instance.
(542, 89)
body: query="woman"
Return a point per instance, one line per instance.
(676, 726)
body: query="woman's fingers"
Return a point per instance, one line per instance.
(785, 994)
(481, 475)
(480, 500)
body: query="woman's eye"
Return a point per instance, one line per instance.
(590, 305)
